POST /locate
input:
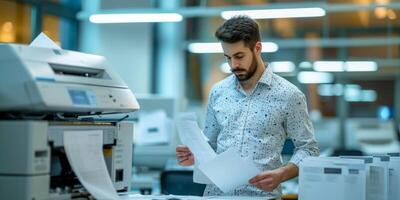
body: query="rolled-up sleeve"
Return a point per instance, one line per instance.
(211, 127)
(299, 128)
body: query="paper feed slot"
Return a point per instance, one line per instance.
(68, 70)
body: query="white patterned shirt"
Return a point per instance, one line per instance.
(258, 124)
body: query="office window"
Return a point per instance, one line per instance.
(15, 22)
(51, 27)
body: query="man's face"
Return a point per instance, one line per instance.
(241, 59)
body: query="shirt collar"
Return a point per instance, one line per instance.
(266, 77)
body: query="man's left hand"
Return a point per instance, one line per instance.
(268, 180)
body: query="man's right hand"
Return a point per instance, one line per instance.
(184, 155)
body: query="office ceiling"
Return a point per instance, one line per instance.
(366, 29)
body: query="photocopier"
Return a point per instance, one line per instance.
(45, 92)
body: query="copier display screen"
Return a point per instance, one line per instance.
(79, 97)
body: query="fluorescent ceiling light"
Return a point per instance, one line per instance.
(215, 47)
(330, 89)
(135, 18)
(368, 95)
(350, 66)
(224, 67)
(276, 13)
(353, 86)
(352, 92)
(328, 66)
(211, 47)
(325, 90)
(282, 66)
(305, 65)
(314, 77)
(268, 47)
(360, 66)
(359, 95)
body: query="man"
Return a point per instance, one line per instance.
(255, 110)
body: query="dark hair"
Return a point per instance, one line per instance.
(239, 28)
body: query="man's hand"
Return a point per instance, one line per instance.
(269, 180)
(184, 155)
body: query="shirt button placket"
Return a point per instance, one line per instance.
(247, 107)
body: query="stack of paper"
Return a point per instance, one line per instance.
(332, 179)
(394, 176)
(350, 177)
(377, 176)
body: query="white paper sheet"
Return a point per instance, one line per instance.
(85, 155)
(192, 136)
(170, 197)
(42, 40)
(394, 178)
(210, 167)
(228, 170)
(378, 180)
(153, 128)
(200, 177)
(332, 178)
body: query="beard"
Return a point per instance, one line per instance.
(249, 73)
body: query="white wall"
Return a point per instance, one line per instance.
(127, 47)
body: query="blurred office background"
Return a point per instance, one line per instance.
(345, 58)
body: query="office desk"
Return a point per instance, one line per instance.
(176, 197)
